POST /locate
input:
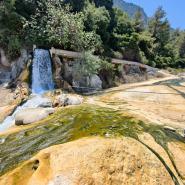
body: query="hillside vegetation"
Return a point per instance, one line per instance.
(91, 25)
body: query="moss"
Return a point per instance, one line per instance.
(70, 124)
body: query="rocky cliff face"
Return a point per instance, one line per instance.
(130, 8)
(11, 70)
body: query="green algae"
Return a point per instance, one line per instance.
(71, 124)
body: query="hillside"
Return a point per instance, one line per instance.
(130, 8)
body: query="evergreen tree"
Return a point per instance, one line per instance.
(159, 28)
(138, 22)
(182, 47)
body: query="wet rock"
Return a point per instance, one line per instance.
(95, 82)
(171, 129)
(92, 161)
(177, 151)
(32, 115)
(22, 91)
(19, 64)
(67, 99)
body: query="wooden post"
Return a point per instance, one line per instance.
(52, 51)
(34, 47)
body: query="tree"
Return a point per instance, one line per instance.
(159, 27)
(108, 4)
(60, 27)
(182, 47)
(138, 22)
(77, 5)
(11, 28)
(97, 20)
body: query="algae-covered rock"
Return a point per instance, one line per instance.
(92, 161)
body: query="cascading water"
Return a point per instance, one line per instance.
(42, 72)
(42, 81)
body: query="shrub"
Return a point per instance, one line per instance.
(90, 64)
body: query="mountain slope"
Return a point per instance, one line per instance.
(130, 8)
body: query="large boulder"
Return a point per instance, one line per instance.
(95, 82)
(87, 83)
(32, 115)
(92, 161)
(81, 82)
(67, 99)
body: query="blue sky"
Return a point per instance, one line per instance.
(175, 10)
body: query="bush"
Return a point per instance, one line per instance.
(90, 64)
(180, 63)
(60, 27)
(14, 47)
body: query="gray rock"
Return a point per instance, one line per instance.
(31, 115)
(95, 82)
(39, 101)
(19, 64)
(67, 99)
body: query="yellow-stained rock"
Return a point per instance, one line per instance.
(177, 150)
(150, 142)
(92, 161)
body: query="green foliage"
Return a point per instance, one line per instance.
(162, 48)
(90, 64)
(138, 22)
(106, 3)
(97, 20)
(182, 47)
(11, 25)
(83, 25)
(14, 47)
(106, 65)
(159, 27)
(60, 28)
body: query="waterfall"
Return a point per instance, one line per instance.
(42, 79)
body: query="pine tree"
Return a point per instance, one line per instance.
(138, 22)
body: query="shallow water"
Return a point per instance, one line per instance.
(34, 102)
(70, 124)
(174, 82)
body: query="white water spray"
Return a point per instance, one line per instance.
(42, 81)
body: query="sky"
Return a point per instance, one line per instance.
(175, 10)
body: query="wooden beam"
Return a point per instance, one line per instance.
(65, 53)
